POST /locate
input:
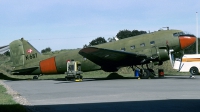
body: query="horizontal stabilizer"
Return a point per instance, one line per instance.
(25, 71)
(3, 49)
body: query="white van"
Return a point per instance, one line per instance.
(188, 63)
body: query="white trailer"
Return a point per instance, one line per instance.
(188, 63)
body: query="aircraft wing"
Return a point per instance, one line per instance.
(107, 57)
(3, 49)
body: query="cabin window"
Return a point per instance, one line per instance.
(133, 47)
(152, 42)
(123, 49)
(142, 44)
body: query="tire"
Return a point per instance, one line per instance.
(145, 74)
(35, 77)
(194, 70)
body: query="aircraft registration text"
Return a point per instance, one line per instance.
(31, 56)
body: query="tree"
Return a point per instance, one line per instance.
(192, 48)
(126, 33)
(97, 41)
(48, 49)
(136, 32)
(7, 53)
(111, 39)
(84, 46)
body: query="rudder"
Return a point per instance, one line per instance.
(22, 52)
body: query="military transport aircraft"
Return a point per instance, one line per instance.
(152, 48)
(147, 49)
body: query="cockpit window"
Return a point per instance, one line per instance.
(178, 34)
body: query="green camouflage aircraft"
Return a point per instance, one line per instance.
(142, 50)
(147, 49)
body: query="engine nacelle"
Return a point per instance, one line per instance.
(162, 54)
(159, 54)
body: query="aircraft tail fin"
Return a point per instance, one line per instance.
(22, 52)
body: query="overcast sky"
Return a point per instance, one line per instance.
(69, 24)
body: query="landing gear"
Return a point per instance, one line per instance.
(36, 76)
(145, 73)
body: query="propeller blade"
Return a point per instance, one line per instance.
(171, 57)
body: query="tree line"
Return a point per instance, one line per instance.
(120, 35)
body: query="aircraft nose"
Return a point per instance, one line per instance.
(186, 40)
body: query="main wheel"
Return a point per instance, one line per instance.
(145, 74)
(194, 70)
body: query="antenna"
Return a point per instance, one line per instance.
(197, 33)
(166, 27)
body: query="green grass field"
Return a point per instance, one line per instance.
(7, 104)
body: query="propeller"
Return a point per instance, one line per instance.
(171, 57)
(181, 65)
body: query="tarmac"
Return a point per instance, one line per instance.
(171, 93)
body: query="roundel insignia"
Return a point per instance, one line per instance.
(29, 50)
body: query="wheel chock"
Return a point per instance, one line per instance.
(78, 80)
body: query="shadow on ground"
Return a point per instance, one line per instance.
(12, 108)
(112, 76)
(5, 77)
(175, 105)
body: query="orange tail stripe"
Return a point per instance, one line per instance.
(48, 66)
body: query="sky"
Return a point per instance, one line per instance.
(70, 24)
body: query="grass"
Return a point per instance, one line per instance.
(7, 104)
